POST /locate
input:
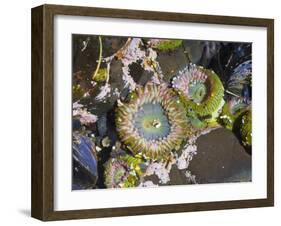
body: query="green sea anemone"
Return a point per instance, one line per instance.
(118, 174)
(153, 123)
(231, 111)
(246, 128)
(200, 90)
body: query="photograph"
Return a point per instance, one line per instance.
(149, 112)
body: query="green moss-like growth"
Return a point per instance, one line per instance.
(168, 45)
(77, 92)
(101, 75)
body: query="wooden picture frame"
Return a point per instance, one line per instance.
(43, 112)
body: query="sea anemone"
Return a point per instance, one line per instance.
(118, 174)
(200, 90)
(231, 111)
(246, 129)
(153, 123)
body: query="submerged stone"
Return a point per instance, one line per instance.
(220, 158)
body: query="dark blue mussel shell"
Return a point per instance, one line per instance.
(85, 173)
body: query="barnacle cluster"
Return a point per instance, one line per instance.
(153, 123)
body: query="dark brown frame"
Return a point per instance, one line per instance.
(42, 202)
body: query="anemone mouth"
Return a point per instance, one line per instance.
(153, 123)
(200, 90)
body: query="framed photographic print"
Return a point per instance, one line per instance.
(140, 112)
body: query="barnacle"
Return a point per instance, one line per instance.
(153, 123)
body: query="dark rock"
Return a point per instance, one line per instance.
(152, 178)
(172, 62)
(112, 44)
(194, 50)
(177, 177)
(140, 75)
(101, 107)
(210, 49)
(220, 158)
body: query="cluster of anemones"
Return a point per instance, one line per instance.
(153, 123)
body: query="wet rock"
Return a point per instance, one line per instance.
(220, 158)
(153, 178)
(169, 65)
(85, 50)
(210, 49)
(112, 44)
(140, 75)
(178, 177)
(100, 106)
(194, 50)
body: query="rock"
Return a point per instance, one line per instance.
(172, 62)
(194, 49)
(220, 158)
(140, 75)
(178, 177)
